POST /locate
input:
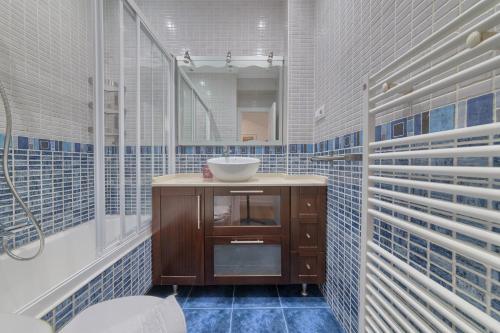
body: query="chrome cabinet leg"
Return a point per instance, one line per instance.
(176, 289)
(304, 289)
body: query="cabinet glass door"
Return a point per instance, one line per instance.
(247, 210)
(247, 259)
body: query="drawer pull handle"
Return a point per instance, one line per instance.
(308, 204)
(308, 267)
(308, 236)
(247, 192)
(247, 242)
(199, 209)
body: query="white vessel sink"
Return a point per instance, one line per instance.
(233, 169)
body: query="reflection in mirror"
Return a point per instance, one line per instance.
(230, 102)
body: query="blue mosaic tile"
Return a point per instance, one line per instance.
(386, 132)
(256, 297)
(442, 119)
(93, 292)
(210, 297)
(471, 277)
(208, 320)
(398, 128)
(410, 124)
(23, 142)
(480, 110)
(311, 320)
(461, 114)
(258, 320)
(418, 124)
(425, 123)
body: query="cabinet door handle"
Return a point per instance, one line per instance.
(199, 213)
(247, 242)
(247, 192)
(307, 235)
(308, 204)
(308, 267)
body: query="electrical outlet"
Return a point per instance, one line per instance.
(319, 113)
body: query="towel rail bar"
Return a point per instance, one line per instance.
(436, 288)
(331, 158)
(450, 27)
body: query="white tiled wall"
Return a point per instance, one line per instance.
(46, 59)
(211, 28)
(300, 70)
(219, 92)
(354, 38)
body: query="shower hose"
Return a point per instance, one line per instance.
(29, 214)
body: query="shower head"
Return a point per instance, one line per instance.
(187, 57)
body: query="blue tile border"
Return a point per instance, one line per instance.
(233, 150)
(472, 112)
(32, 143)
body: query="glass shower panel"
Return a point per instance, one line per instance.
(157, 112)
(186, 104)
(146, 79)
(130, 133)
(112, 228)
(166, 101)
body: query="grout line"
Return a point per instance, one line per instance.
(187, 296)
(232, 308)
(282, 310)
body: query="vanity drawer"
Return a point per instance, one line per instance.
(306, 235)
(308, 267)
(247, 259)
(308, 202)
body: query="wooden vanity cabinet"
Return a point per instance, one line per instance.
(239, 235)
(308, 236)
(178, 236)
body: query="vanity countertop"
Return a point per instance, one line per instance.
(260, 179)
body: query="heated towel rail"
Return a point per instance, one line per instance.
(431, 203)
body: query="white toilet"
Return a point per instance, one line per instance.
(125, 314)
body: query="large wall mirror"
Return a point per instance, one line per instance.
(230, 100)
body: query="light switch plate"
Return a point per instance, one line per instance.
(319, 113)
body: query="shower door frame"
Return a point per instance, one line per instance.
(168, 121)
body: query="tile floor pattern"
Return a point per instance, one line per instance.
(253, 309)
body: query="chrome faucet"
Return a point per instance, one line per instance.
(225, 152)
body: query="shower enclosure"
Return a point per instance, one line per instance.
(92, 101)
(136, 98)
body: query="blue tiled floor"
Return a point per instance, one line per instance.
(253, 309)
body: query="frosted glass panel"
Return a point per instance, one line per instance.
(247, 260)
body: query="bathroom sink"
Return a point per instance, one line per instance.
(233, 169)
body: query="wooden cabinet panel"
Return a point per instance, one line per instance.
(308, 202)
(307, 235)
(308, 267)
(181, 237)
